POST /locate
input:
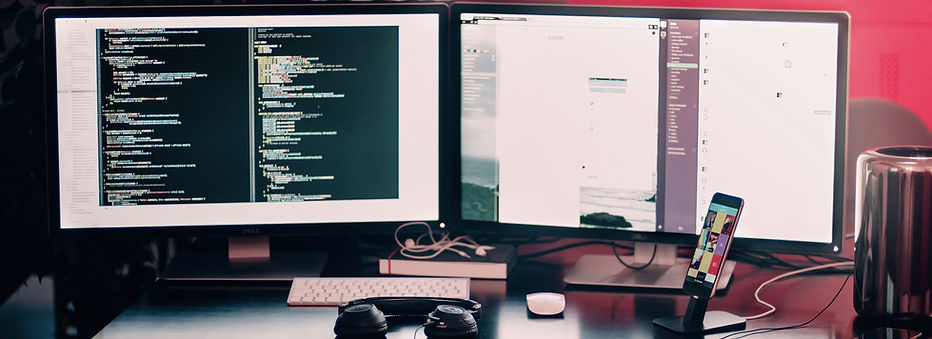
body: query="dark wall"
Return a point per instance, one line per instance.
(24, 245)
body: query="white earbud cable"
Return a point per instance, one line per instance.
(773, 309)
(410, 247)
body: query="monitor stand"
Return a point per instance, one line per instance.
(247, 258)
(666, 271)
(698, 321)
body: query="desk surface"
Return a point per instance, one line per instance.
(249, 311)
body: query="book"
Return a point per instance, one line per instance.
(495, 265)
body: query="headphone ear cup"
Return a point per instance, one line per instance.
(451, 321)
(361, 321)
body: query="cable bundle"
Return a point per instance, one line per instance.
(426, 243)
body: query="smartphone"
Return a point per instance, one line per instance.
(715, 238)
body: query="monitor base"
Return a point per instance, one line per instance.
(605, 270)
(243, 262)
(698, 321)
(714, 322)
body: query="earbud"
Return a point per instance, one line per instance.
(484, 250)
(409, 243)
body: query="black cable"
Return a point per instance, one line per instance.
(761, 259)
(774, 329)
(424, 326)
(831, 257)
(522, 241)
(834, 257)
(783, 265)
(768, 260)
(652, 255)
(812, 260)
(782, 262)
(564, 247)
(757, 258)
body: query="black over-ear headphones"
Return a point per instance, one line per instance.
(446, 317)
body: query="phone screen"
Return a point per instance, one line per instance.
(718, 227)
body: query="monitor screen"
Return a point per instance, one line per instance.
(583, 121)
(206, 116)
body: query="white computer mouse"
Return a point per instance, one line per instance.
(546, 303)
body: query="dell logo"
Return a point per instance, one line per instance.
(251, 230)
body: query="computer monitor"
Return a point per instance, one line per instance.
(245, 119)
(620, 123)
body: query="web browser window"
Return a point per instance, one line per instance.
(634, 122)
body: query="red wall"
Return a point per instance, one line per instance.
(891, 43)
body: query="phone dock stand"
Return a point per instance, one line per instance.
(697, 321)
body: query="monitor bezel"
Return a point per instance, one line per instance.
(310, 228)
(783, 246)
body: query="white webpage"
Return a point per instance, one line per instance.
(767, 113)
(576, 106)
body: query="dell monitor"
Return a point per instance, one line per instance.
(621, 123)
(244, 119)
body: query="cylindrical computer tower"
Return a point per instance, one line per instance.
(893, 250)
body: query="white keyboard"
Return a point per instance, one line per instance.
(333, 291)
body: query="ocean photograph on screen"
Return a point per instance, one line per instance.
(480, 188)
(617, 208)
